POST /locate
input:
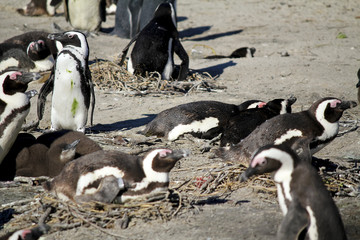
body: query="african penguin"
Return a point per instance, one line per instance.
(40, 7)
(85, 15)
(204, 119)
(133, 15)
(238, 53)
(155, 45)
(358, 85)
(70, 83)
(51, 151)
(14, 106)
(306, 204)
(313, 128)
(241, 125)
(108, 176)
(27, 234)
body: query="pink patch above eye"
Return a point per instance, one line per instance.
(257, 161)
(14, 75)
(262, 104)
(41, 42)
(25, 232)
(32, 45)
(334, 103)
(164, 152)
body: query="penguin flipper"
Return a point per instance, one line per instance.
(294, 222)
(92, 98)
(44, 91)
(184, 67)
(126, 49)
(102, 10)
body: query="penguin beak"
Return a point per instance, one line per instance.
(55, 36)
(248, 173)
(178, 154)
(291, 100)
(28, 77)
(346, 105)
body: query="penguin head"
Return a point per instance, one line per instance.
(38, 50)
(330, 109)
(270, 158)
(13, 82)
(71, 38)
(161, 161)
(251, 104)
(358, 75)
(281, 106)
(165, 11)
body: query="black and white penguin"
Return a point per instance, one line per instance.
(133, 15)
(244, 52)
(27, 234)
(155, 46)
(70, 83)
(308, 209)
(204, 119)
(51, 151)
(14, 106)
(314, 128)
(86, 15)
(40, 7)
(241, 125)
(108, 176)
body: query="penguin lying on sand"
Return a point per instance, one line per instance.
(40, 7)
(308, 209)
(27, 234)
(51, 151)
(241, 125)
(314, 128)
(204, 119)
(85, 15)
(238, 53)
(108, 176)
(70, 83)
(155, 46)
(14, 106)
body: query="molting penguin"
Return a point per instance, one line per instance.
(204, 119)
(71, 84)
(51, 151)
(14, 106)
(155, 46)
(241, 125)
(85, 14)
(313, 128)
(106, 176)
(40, 7)
(306, 204)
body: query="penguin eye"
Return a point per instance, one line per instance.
(70, 36)
(263, 162)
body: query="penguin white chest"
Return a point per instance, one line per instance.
(166, 74)
(68, 108)
(84, 14)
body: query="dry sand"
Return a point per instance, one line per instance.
(319, 65)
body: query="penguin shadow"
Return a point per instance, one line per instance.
(122, 125)
(190, 32)
(216, 70)
(217, 35)
(211, 201)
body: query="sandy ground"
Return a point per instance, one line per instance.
(319, 65)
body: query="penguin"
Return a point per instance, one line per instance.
(70, 83)
(133, 15)
(51, 151)
(203, 119)
(241, 125)
(358, 85)
(155, 45)
(14, 106)
(40, 7)
(86, 15)
(14, 57)
(314, 128)
(27, 234)
(113, 176)
(238, 53)
(308, 209)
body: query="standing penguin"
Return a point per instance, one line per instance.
(306, 204)
(155, 46)
(106, 176)
(85, 15)
(14, 106)
(358, 85)
(241, 125)
(71, 84)
(314, 128)
(204, 119)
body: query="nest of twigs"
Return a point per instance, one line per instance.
(109, 76)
